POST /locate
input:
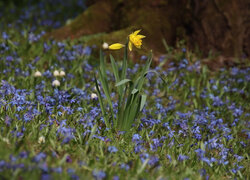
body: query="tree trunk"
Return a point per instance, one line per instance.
(220, 26)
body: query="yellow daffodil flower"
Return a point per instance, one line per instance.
(116, 46)
(135, 39)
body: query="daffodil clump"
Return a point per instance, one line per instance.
(134, 39)
(130, 98)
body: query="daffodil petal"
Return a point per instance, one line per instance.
(141, 36)
(130, 46)
(116, 46)
(136, 32)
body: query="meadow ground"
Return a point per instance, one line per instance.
(195, 125)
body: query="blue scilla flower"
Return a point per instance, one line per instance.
(44, 167)
(169, 157)
(46, 176)
(223, 161)
(9, 58)
(143, 57)
(68, 138)
(39, 157)
(2, 164)
(182, 157)
(171, 133)
(23, 154)
(70, 171)
(153, 160)
(98, 175)
(5, 36)
(200, 152)
(98, 137)
(234, 71)
(202, 172)
(74, 177)
(237, 112)
(183, 64)
(13, 158)
(87, 51)
(112, 149)
(235, 170)
(57, 170)
(139, 148)
(124, 166)
(136, 137)
(238, 158)
(116, 178)
(156, 143)
(206, 160)
(46, 47)
(144, 156)
(28, 116)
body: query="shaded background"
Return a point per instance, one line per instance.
(219, 27)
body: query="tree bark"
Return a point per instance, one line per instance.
(220, 26)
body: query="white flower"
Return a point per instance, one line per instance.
(93, 96)
(105, 45)
(95, 87)
(56, 83)
(62, 73)
(41, 140)
(6, 140)
(38, 74)
(56, 73)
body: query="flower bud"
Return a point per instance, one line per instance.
(41, 140)
(93, 96)
(56, 73)
(105, 45)
(56, 83)
(116, 46)
(6, 140)
(62, 73)
(37, 74)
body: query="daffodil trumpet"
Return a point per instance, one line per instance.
(135, 39)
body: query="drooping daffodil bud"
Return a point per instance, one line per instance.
(116, 46)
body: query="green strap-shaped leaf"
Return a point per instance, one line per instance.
(134, 91)
(115, 69)
(141, 79)
(116, 74)
(106, 92)
(143, 101)
(153, 71)
(105, 86)
(102, 63)
(101, 104)
(123, 82)
(124, 63)
(133, 110)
